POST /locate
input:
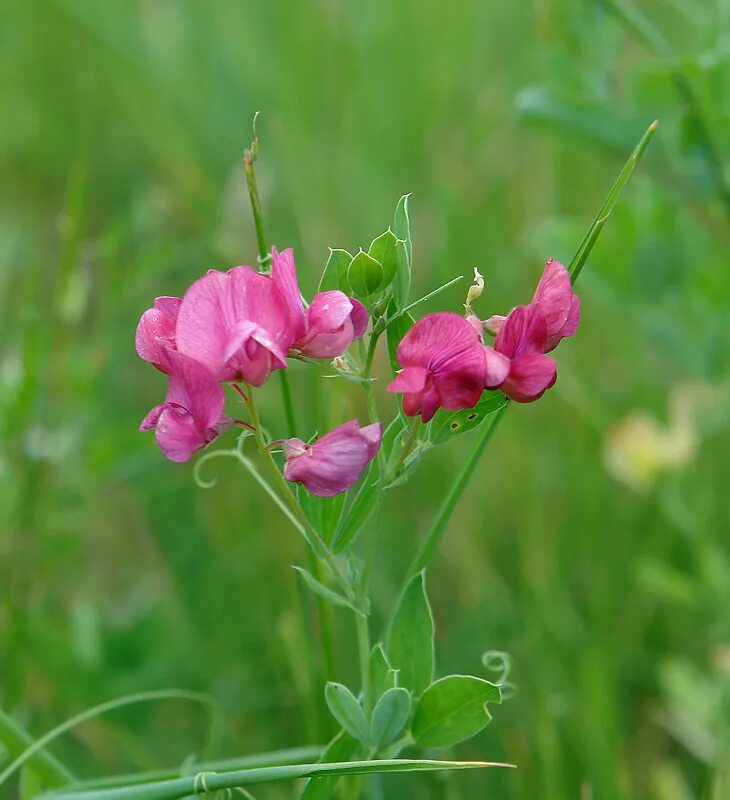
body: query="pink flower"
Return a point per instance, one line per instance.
(156, 331)
(331, 323)
(333, 463)
(445, 365)
(559, 304)
(522, 339)
(192, 414)
(237, 323)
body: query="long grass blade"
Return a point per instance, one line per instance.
(90, 713)
(204, 782)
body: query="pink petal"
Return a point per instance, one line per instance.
(497, 368)
(430, 402)
(156, 329)
(494, 323)
(177, 434)
(206, 315)
(328, 311)
(373, 436)
(150, 421)
(411, 379)
(436, 338)
(193, 387)
(554, 296)
(530, 376)
(523, 332)
(284, 276)
(327, 344)
(359, 318)
(334, 463)
(569, 328)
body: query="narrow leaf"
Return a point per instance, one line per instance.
(389, 717)
(335, 272)
(365, 502)
(402, 229)
(410, 637)
(585, 247)
(452, 710)
(212, 782)
(323, 591)
(395, 331)
(344, 707)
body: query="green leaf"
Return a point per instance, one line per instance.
(323, 512)
(452, 710)
(384, 249)
(410, 637)
(365, 502)
(382, 675)
(335, 272)
(365, 275)
(389, 717)
(395, 331)
(402, 229)
(178, 788)
(344, 707)
(29, 785)
(323, 591)
(341, 748)
(446, 424)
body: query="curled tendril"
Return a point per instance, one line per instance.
(203, 484)
(499, 662)
(199, 784)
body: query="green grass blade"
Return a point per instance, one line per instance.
(215, 781)
(273, 758)
(90, 713)
(17, 741)
(586, 245)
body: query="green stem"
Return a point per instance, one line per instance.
(313, 538)
(370, 402)
(436, 532)
(431, 542)
(291, 422)
(17, 740)
(405, 451)
(363, 647)
(249, 156)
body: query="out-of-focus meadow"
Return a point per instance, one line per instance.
(593, 543)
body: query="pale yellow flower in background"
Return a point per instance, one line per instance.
(640, 447)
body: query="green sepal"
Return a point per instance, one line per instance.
(335, 272)
(365, 276)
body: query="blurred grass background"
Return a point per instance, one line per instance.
(593, 543)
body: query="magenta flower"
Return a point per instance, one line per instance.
(236, 323)
(192, 414)
(445, 365)
(156, 331)
(559, 304)
(522, 339)
(331, 323)
(334, 463)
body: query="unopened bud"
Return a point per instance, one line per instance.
(475, 290)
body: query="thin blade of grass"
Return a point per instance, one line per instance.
(215, 781)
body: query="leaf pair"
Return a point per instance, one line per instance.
(385, 267)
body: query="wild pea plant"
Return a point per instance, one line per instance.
(452, 373)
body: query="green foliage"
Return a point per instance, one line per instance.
(452, 710)
(341, 748)
(344, 707)
(365, 275)
(366, 500)
(382, 674)
(402, 229)
(335, 272)
(409, 644)
(323, 591)
(389, 717)
(447, 424)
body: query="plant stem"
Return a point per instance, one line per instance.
(406, 450)
(363, 647)
(431, 542)
(17, 740)
(249, 157)
(313, 538)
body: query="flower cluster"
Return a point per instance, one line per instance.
(240, 326)
(447, 365)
